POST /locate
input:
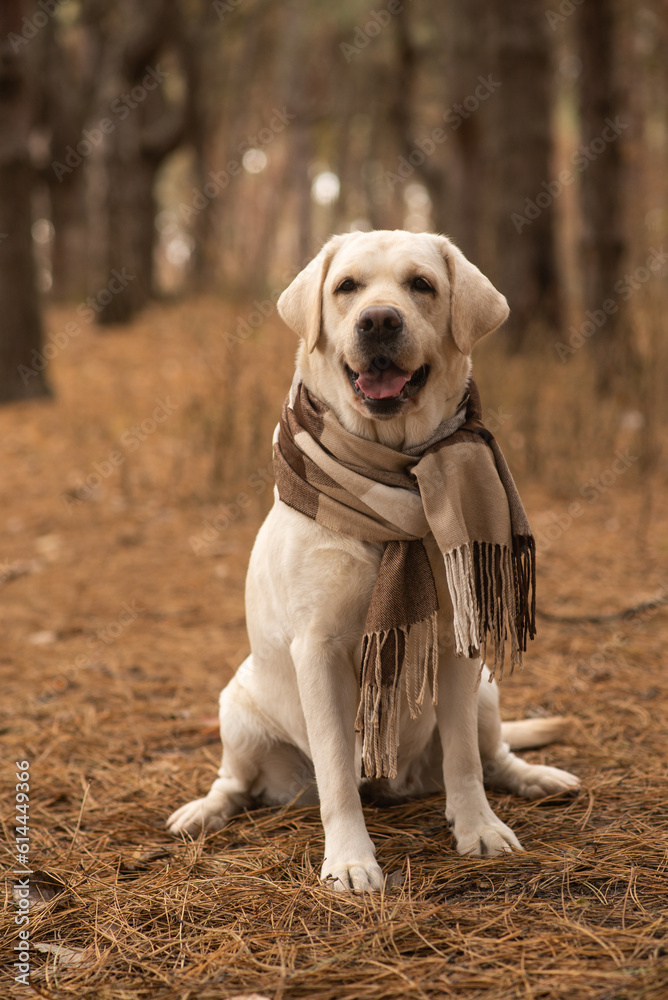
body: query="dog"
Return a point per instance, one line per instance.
(387, 321)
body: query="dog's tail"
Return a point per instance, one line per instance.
(529, 733)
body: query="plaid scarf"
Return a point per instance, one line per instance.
(456, 486)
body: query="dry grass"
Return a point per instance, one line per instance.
(118, 737)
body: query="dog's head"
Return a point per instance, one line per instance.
(388, 321)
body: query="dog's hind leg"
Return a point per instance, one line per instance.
(501, 768)
(245, 742)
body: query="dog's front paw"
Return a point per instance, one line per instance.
(484, 835)
(361, 876)
(192, 818)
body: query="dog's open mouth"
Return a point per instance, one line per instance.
(385, 380)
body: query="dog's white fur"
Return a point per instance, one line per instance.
(287, 717)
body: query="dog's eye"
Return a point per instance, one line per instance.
(421, 284)
(349, 285)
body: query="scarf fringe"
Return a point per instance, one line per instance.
(466, 617)
(377, 715)
(493, 593)
(524, 566)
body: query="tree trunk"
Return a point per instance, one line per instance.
(22, 360)
(301, 103)
(603, 244)
(68, 64)
(199, 44)
(146, 128)
(402, 112)
(521, 254)
(130, 214)
(462, 217)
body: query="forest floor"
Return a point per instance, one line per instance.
(129, 506)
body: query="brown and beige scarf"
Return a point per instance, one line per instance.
(457, 487)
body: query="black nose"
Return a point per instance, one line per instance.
(381, 321)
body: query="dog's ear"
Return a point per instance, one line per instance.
(300, 305)
(476, 308)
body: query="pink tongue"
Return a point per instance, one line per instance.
(383, 384)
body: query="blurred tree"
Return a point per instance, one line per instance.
(486, 155)
(22, 361)
(69, 58)
(300, 98)
(604, 241)
(197, 38)
(518, 156)
(414, 61)
(237, 228)
(461, 209)
(139, 126)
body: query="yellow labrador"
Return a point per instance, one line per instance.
(388, 321)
